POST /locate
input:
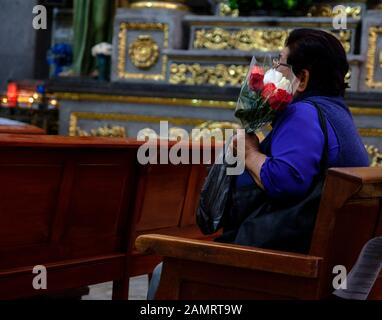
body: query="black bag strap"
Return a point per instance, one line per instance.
(322, 119)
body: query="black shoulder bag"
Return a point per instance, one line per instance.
(215, 197)
(256, 220)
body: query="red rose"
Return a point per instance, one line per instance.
(280, 99)
(256, 78)
(268, 90)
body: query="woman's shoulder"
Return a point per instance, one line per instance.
(300, 111)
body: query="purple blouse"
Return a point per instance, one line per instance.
(297, 146)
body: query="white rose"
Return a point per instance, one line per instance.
(284, 83)
(272, 76)
(102, 48)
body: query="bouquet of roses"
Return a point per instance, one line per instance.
(264, 92)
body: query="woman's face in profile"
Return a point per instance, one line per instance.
(299, 84)
(281, 63)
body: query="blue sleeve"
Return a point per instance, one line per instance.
(296, 150)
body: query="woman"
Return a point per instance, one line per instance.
(318, 59)
(314, 132)
(276, 200)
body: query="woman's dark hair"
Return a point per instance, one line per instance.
(323, 55)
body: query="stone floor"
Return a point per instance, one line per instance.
(103, 291)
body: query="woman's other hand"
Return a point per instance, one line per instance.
(253, 157)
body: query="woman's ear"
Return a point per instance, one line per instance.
(304, 80)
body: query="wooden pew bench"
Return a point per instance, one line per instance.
(349, 216)
(165, 203)
(16, 127)
(76, 206)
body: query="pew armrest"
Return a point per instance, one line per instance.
(363, 175)
(230, 255)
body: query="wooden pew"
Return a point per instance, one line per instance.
(349, 215)
(16, 127)
(75, 205)
(166, 201)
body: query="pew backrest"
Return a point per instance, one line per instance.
(349, 216)
(76, 204)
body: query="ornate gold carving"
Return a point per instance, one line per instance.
(245, 39)
(218, 75)
(325, 10)
(252, 39)
(225, 10)
(76, 116)
(173, 5)
(371, 64)
(376, 156)
(354, 12)
(124, 27)
(282, 24)
(345, 38)
(214, 129)
(320, 11)
(215, 39)
(106, 131)
(144, 52)
(370, 132)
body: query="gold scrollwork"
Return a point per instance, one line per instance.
(217, 75)
(325, 10)
(370, 132)
(375, 155)
(345, 38)
(214, 39)
(225, 10)
(252, 39)
(144, 52)
(320, 11)
(97, 116)
(105, 131)
(374, 33)
(216, 130)
(122, 45)
(213, 129)
(244, 39)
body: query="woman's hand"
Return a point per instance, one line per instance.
(253, 157)
(252, 143)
